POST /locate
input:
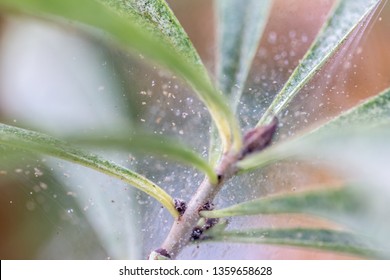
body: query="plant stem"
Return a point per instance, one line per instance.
(180, 233)
(255, 140)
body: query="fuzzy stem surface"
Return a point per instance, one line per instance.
(180, 233)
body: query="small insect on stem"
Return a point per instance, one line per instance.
(196, 233)
(210, 222)
(208, 206)
(206, 224)
(180, 205)
(219, 177)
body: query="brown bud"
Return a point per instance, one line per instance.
(258, 138)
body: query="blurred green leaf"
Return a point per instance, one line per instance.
(355, 144)
(12, 156)
(321, 239)
(239, 32)
(363, 156)
(149, 143)
(131, 35)
(344, 18)
(41, 143)
(359, 208)
(32, 207)
(373, 112)
(114, 212)
(327, 203)
(158, 19)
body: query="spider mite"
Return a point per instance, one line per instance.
(180, 205)
(208, 206)
(210, 222)
(196, 233)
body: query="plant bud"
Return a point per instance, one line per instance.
(258, 138)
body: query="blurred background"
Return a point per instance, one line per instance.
(59, 80)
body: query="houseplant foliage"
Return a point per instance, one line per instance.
(149, 27)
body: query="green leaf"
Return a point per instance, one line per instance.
(373, 112)
(68, 211)
(361, 209)
(321, 239)
(344, 18)
(41, 143)
(32, 217)
(12, 156)
(239, 32)
(113, 212)
(158, 19)
(131, 35)
(363, 156)
(149, 143)
(328, 203)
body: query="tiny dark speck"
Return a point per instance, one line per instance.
(196, 233)
(180, 205)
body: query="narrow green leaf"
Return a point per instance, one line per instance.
(29, 221)
(12, 156)
(239, 32)
(131, 35)
(373, 112)
(41, 143)
(113, 212)
(321, 239)
(328, 203)
(215, 147)
(158, 19)
(362, 155)
(118, 234)
(149, 143)
(344, 18)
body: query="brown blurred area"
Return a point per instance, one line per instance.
(197, 18)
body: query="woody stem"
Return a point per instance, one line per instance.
(180, 233)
